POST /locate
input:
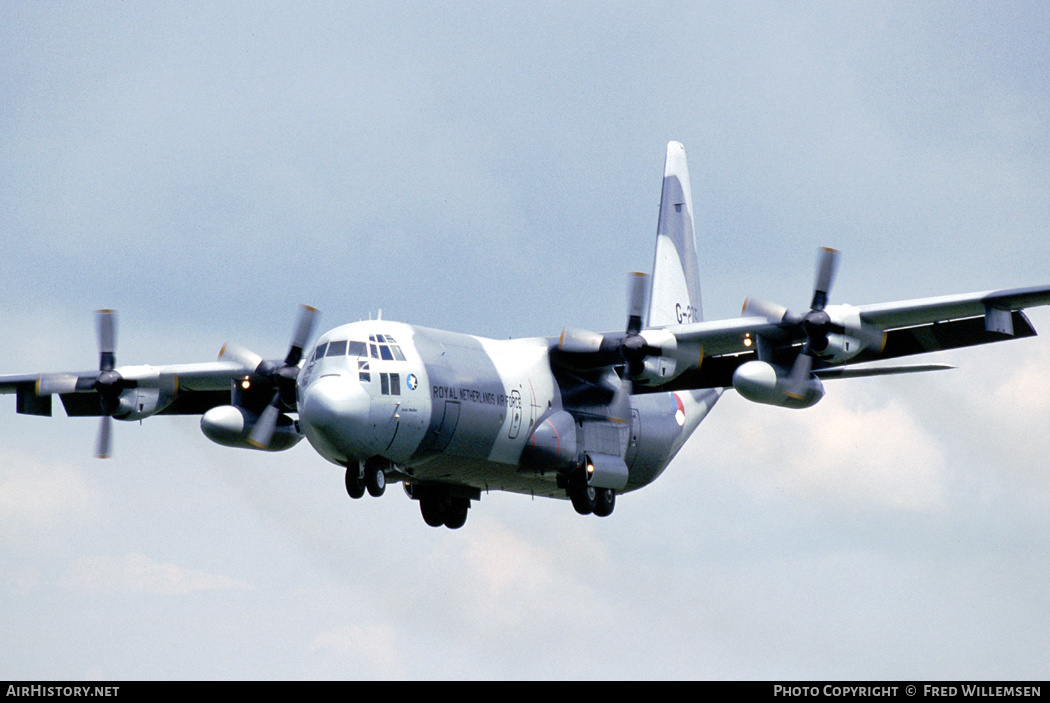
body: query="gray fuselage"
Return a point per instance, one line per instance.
(457, 409)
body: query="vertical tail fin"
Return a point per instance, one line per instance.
(675, 297)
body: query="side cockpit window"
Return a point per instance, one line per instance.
(390, 383)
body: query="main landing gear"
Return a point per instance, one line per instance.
(442, 505)
(368, 475)
(587, 499)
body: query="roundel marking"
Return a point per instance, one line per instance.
(679, 414)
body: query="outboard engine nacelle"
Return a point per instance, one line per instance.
(149, 392)
(231, 426)
(761, 382)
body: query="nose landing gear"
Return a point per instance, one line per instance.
(369, 475)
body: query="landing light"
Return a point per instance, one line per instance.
(245, 384)
(747, 340)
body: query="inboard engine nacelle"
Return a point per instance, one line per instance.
(231, 426)
(761, 382)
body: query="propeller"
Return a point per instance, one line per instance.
(633, 346)
(594, 350)
(108, 382)
(814, 326)
(281, 377)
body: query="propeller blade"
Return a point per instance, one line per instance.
(826, 267)
(303, 330)
(56, 383)
(637, 292)
(246, 358)
(264, 428)
(102, 445)
(107, 339)
(761, 308)
(579, 341)
(796, 383)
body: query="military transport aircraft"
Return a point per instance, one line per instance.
(583, 415)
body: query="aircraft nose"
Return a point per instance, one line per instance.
(334, 416)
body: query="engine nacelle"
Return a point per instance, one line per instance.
(151, 394)
(140, 403)
(674, 358)
(230, 426)
(761, 382)
(842, 347)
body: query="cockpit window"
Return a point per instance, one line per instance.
(355, 348)
(320, 350)
(383, 346)
(336, 348)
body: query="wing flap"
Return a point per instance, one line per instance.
(950, 334)
(27, 402)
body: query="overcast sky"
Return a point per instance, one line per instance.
(494, 169)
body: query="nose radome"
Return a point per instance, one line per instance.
(335, 410)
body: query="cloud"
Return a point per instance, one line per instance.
(137, 573)
(36, 495)
(854, 450)
(374, 648)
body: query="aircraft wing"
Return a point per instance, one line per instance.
(178, 389)
(911, 326)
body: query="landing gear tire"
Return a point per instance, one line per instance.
(375, 478)
(433, 514)
(456, 512)
(583, 496)
(442, 509)
(605, 501)
(355, 484)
